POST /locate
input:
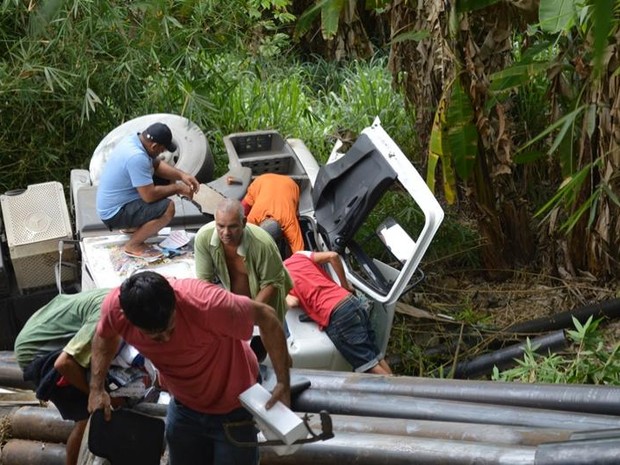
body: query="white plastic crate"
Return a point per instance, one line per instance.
(35, 220)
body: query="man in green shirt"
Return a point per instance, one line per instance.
(54, 349)
(243, 257)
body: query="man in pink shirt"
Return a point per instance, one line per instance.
(196, 334)
(335, 309)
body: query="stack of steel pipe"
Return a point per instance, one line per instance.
(37, 436)
(397, 419)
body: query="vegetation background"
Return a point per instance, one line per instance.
(510, 108)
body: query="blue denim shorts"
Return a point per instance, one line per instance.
(199, 438)
(351, 332)
(136, 213)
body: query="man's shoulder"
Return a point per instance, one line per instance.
(192, 289)
(206, 231)
(128, 145)
(299, 256)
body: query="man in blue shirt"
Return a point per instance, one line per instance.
(128, 198)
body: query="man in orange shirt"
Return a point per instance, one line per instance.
(274, 198)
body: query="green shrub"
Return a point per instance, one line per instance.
(590, 362)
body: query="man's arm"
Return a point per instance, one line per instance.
(187, 187)
(152, 193)
(272, 335)
(72, 371)
(104, 350)
(334, 260)
(166, 171)
(266, 294)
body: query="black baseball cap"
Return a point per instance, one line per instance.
(161, 134)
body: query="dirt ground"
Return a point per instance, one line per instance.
(469, 307)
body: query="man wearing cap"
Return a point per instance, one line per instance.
(128, 198)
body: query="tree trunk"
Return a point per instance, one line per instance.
(482, 46)
(351, 40)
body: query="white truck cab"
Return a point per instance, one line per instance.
(337, 211)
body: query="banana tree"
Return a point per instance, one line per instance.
(466, 81)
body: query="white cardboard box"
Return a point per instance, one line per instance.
(279, 422)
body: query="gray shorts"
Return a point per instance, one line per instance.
(136, 213)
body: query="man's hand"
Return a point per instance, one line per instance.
(100, 399)
(292, 301)
(348, 286)
(191, 182)
(282, 393)
(185, 191)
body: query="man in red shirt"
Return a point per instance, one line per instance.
(196, 334)
(335, 309)
(272, 202)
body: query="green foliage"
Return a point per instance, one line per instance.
(364, 92)
(556, 15)
(412, 359)
(454, 140)
(591, 362)
(461, 132)
(72, 71)
(472, 316)
(463, 6)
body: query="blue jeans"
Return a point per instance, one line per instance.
(196, 438)
(351, 331)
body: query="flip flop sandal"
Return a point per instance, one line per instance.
(149, 254)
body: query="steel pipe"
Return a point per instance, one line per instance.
(494, 434)
(46, 424)
(609, 308)
(41, 424)
(599, 434)
(391, 406)
(505, 357)
(378, 449)
(7, 356)
(24, 452)
(566, 397)
(586, 452)
(11, 376)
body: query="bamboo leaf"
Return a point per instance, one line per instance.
(570, 118)
(568, 122)
(516, 75)
(576, 216)
(611, 194)
(568, 190)
(556, 15)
